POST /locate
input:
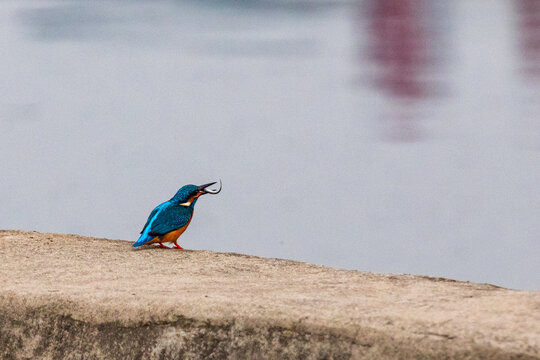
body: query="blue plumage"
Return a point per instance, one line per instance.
(172, 215)
(145, 233)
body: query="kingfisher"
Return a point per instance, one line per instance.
(169, 220)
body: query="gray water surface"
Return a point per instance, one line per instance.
(388, 136)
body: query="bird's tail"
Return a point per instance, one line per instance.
(143, 239)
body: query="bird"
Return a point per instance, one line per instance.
(170, 219)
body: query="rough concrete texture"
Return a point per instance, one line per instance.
(74, 297)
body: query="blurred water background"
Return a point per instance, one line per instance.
(394, 136)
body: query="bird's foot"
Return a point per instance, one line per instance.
(178, 246)
(162, 246)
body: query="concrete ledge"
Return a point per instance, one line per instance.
(73, 297)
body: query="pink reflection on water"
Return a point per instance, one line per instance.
(528, 25)
(401, 44)
(529, 34)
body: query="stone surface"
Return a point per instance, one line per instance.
(74, 297)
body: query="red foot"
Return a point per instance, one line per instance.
(178, 246)
(162, 246)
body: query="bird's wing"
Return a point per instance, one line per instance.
(152, 214)
(170, 219)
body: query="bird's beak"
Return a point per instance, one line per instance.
(203, 190)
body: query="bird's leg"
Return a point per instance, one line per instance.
(178, 246)
(162, 246)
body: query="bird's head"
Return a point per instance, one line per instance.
(188, 194)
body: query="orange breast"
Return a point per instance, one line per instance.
(171, 236)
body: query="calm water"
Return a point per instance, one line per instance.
(385, 135)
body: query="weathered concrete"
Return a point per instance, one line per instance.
(73, 297)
